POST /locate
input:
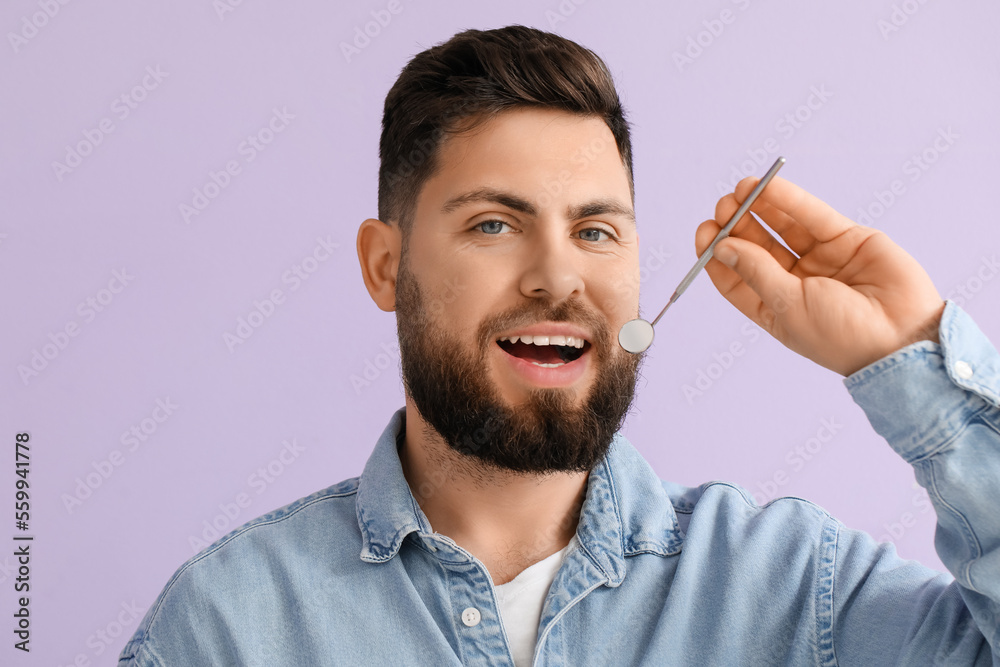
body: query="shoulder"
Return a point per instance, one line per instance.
(724, 510)
(332, 507)
(688, 498)
(321, 520)
(269, 562)
(737, 553)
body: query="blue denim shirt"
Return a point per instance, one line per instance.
(664, 575)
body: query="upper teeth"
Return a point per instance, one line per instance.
(546, 340)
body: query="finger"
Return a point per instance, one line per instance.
(750, 229)
(724, 278)
(764, 289)
(810, 213)
(795, 236)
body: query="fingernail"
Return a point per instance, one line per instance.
(726, 255)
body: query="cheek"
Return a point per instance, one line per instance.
(618, 295)
(456, 301)
(445, 287)
(465, 289)
(447, 300)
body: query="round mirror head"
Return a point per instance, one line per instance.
(636, 336)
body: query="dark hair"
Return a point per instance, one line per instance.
(475, 75)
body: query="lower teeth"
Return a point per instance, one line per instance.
(547, 365)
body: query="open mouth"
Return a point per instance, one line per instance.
(545, 351)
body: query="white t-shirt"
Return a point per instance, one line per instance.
(521, 601)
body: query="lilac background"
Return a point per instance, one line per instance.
(300, 375)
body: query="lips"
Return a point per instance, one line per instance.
(547, 351)
(553, 353)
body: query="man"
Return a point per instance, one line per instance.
(500, 520)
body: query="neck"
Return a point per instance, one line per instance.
(507, 520)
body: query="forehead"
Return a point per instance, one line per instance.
(543, 156)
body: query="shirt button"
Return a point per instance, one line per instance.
(963, 370)
(471, 617)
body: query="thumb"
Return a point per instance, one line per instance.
(776, 288)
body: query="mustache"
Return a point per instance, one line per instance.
(574, 312)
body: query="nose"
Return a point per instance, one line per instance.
(552, 270)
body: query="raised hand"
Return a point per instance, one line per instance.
(844, 296)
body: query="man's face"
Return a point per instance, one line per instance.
(520, 267)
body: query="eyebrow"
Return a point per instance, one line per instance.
(522, 205)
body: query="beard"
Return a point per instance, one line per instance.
(548, 433)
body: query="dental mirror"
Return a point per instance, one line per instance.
(636, 335)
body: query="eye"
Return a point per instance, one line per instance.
(492, 227)
(595, 234)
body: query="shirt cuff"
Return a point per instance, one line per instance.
(919, 396)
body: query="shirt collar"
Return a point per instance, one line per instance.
(626, 510)
(387, 511)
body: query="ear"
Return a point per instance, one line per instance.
(378, 252)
